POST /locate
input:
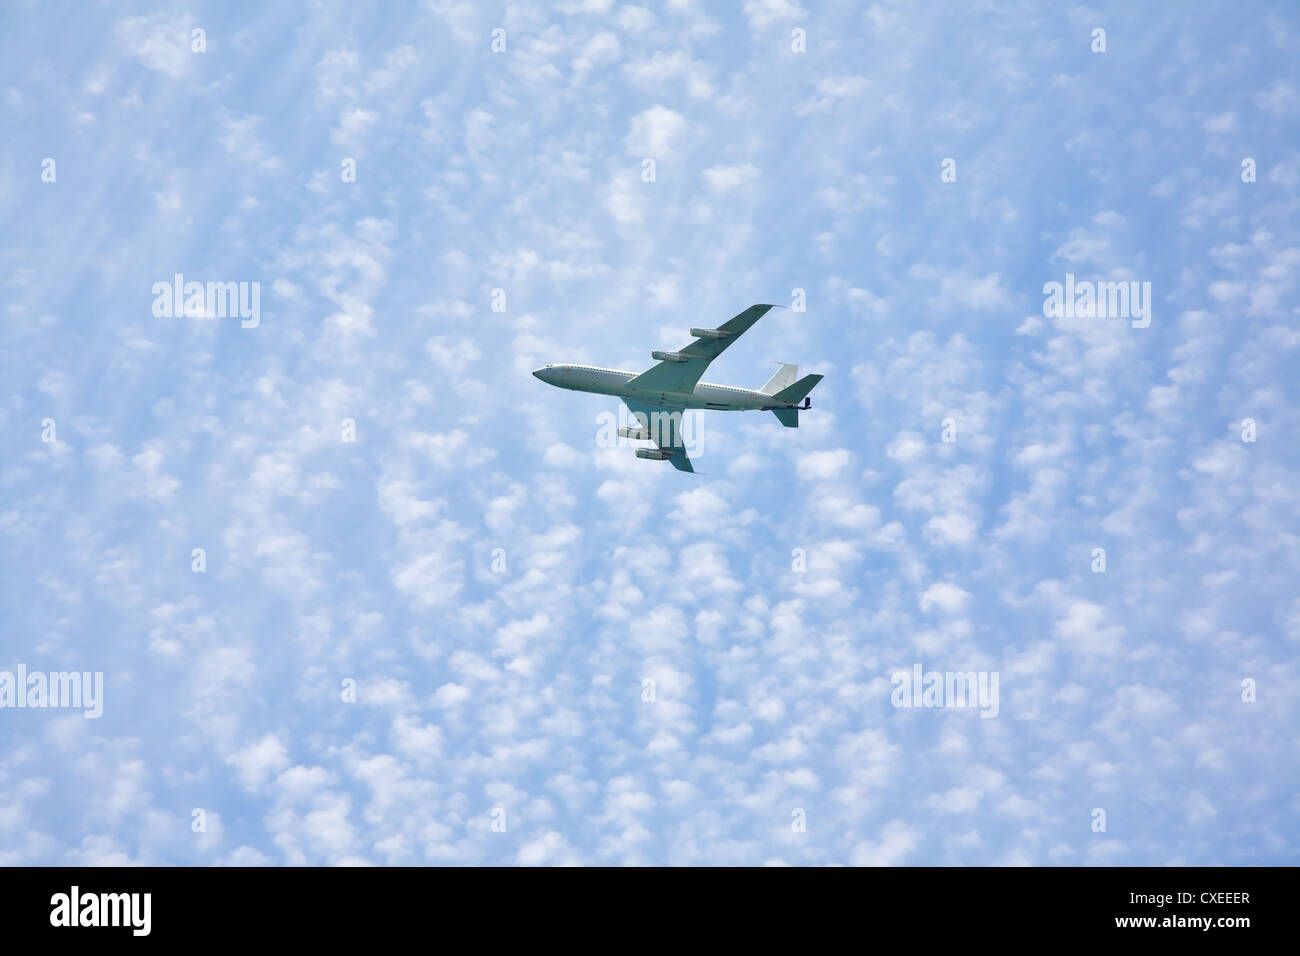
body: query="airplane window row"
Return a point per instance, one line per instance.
(596, 368)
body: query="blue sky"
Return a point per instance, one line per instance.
(500, 715)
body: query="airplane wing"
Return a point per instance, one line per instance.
(664, 423)
(682, 371)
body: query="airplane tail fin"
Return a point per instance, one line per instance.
(784, 376)
(793, 394)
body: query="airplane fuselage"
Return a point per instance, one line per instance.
(609, 381)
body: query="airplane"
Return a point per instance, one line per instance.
(658, 396)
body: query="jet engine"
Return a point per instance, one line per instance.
(654, 454)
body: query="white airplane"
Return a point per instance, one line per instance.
(658, 396)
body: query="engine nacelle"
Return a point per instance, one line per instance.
(641, 434)
(709, 333)
(654, 454)
(669, 356)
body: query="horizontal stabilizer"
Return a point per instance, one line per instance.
(795, 393)
(789, 416)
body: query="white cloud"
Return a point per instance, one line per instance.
(896, 842)
(824, 464)
(761, 13)
(259, 761)
(160, 43)
(724, 179)
(655, 133)
(945, 596)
